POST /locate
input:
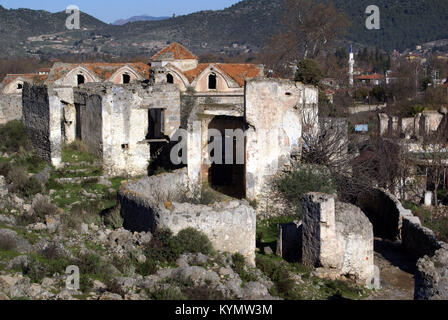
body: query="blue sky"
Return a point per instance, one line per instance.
(111, 10)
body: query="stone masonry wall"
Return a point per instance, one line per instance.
(115, 122)
(42, 117)
(337, 238)
(150, 204)
(10, 107)
(431, 280)
(274, 113)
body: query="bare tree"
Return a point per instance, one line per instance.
(307, 28)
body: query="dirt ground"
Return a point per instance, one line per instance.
(397, 272)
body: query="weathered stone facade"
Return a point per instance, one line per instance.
(10, 107)
(337, 239)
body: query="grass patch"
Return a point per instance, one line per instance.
(77, 152)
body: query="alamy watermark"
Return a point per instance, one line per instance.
(73, 21)
(373, 20)
(73, 276)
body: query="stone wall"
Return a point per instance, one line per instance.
(383, 210)
(42, 112)
(337, 238)
(10, 107)
(423, 123)
(115, 122)
(155, 202)
(274, 113)
(431, 280)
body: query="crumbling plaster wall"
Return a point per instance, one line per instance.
(115, 122)
(10, 107)
(274, 113)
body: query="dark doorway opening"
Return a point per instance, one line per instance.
(81, 79)
(229, 179)
(126, 79)
(212, 81)
(78, 132)
(169, 78)
(156, 122)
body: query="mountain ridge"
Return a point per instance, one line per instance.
(242, 27)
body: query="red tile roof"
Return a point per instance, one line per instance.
(373, 76)
(174, 51)
(102, 70)
(33, 77)
(237, 71)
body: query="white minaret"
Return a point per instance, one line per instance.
(351, 63)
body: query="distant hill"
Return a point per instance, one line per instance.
(138, 18)
(242, 27)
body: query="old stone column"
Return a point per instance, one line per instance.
(320, 242)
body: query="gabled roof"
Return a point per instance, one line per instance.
(101, 70)
(33, 77)
(239, 72)
(174, 51)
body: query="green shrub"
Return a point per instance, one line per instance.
(192, 241)
(278, 272)
(146, 269)
(303, 180)
(13, 136)
(113, 219)
(166, 248)
(163, 248)
(169, 294)
(21, 183)
(239, 266)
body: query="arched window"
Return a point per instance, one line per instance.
(81, 79)
(19, 86)
(169, 78)
(126, 78)
(212, 81)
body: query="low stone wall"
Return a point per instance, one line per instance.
(384, 211)
(417, 240)
(431, 280)
(150, 204)
(366, 108)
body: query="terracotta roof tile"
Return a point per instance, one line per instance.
(174, 51)
(373, 76)
(102, 70)
(240, 72)
(34, 77)
(237, 71)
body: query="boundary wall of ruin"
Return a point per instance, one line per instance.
(383, 208)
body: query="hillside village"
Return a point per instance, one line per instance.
(182, 177)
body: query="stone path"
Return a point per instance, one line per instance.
(397, 272)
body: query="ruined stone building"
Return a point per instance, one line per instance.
(423, 139)
(66, 75)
